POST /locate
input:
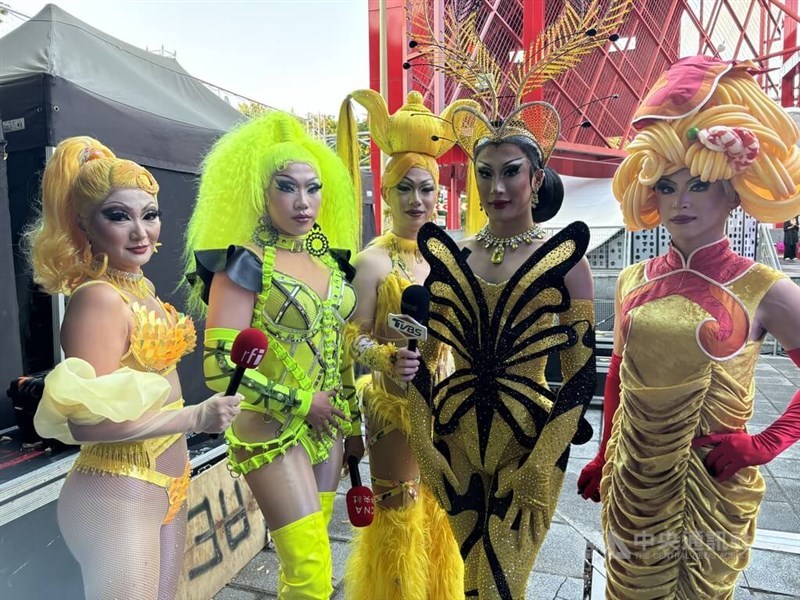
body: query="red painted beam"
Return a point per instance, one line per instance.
(392, 50)
(532, 26)
(374, 23)
(789, 92)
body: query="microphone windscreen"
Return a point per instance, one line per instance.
(249, 347)
(415, 302)
(360, 501)
(360, 506)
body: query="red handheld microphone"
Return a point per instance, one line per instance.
(360, 501)
(249, 348)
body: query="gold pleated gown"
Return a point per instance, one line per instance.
(672, 530)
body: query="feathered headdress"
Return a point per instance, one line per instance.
(459, 53)
(463, 56)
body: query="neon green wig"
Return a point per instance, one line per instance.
(238, 170)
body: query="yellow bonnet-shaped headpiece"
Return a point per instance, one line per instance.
(413, 136)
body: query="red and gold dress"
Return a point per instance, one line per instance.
(673, 530)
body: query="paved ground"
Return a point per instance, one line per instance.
(773, 573)
(791, 267)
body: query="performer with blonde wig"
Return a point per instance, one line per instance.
(677, 471)
(122, 508)
(408, 552)
(273, 202)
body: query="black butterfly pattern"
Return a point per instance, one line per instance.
(486, 461)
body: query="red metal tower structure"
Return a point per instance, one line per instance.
(596, 100)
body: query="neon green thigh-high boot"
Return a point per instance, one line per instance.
(305, 556)
(326, 503)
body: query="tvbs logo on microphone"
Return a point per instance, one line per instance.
(408, 327)
(252, 358)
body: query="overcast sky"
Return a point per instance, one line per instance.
(300, 55)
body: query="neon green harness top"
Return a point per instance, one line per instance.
(305, 353)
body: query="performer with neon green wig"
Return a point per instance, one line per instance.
(272, 205)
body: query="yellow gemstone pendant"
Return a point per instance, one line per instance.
(498, 255)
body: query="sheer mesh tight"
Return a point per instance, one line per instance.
(392, 459)
(286, 489)
(113, 527)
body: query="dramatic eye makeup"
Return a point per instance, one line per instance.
(118, 214)
(289, 186)
(285, 185)
(664, 186)
(115, 214)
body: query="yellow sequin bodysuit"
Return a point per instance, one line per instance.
(408, 552)
(496, 424)
(672, 530)
(157, 344)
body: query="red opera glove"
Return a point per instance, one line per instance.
(589, 479)
(736, 450)
(592, 473)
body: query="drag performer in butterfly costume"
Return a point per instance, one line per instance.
(501, 437)
(680, 484)
(408, 552)
(271, 202)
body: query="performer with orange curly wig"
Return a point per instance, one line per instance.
(677, 470)
(122, 509)
(408, 552)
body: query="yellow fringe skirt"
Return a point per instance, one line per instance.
(406, 553)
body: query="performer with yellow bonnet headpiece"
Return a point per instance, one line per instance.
(677, 471)
(408, 552)
(501, 435)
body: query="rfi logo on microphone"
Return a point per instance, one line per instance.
(252, 358)
(408, 327)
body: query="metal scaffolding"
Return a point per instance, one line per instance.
(597, 98)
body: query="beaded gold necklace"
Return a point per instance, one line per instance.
(133, 283)
(403, 249)
(498, 245)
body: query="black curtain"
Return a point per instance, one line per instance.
(166, 271)
(11, 355)
(35, 324)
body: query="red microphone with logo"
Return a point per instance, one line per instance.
(360, 501)
(247, 352)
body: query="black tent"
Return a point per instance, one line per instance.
(60, 77)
